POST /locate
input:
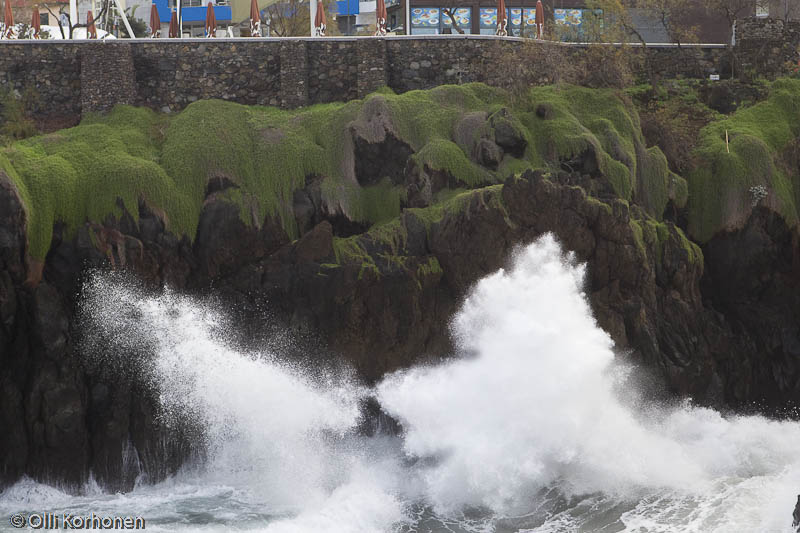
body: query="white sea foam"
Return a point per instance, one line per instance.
(522, 432)
(533, 406)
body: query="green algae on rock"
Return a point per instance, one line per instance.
(370, 159)
(720, 195)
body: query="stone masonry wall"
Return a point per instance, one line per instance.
(332, 71)
(100, 92)
(767, 47)
(53, 71)
(421, 64)
(168, 75)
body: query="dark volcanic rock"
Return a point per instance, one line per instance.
(488, 154)
(507, 134)
(753, 279)
(378, 150)
(382, 301)
(796, 515)
(224, 243)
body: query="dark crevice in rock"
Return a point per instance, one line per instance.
(595, 186)
(376, 160)
(508, 134)
(219, 183)
(344, 227)
(583, 163)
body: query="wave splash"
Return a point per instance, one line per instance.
(522, 432)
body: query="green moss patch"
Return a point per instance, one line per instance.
(719, 186)
(112, 162)
(603, 122)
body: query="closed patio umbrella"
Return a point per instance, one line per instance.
(380, 15)
(173, 26)
(255, 19)
(502, 18)
(91, 30)
(8, 22)
(36, 23)
(211, 21)
(155, 22)
(319, 20)
(539, 20)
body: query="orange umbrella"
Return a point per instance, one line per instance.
(502, 18)
(539, 20)
(319, 20)
(36, 23)
(255, 19)
(211, 21)
(8, 22)
(91, 30)
(173, 26)
(380, 14)
(155, 22)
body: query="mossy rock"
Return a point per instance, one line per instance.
(720, 195)
(113, 162)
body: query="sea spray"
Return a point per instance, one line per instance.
(531, 406)
(522, 431)
(264, 420)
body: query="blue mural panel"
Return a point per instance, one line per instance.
(425, 17)
(191, 14)
(463, 17)
(347, 7)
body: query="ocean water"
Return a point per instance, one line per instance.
(533, 427)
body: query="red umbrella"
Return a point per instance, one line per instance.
(36, 23)
(319, 20)
(155, 22)
(502, 18)
(539, 20)
(211, 21)
(91, 30)
(255, 19)
(8, 22)
(173, 26)
(380, 14)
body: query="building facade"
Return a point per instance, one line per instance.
(193, 14)
(569, 17)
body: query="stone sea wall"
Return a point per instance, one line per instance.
(767, 47)
(79, 76)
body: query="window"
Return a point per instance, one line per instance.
(425, 20)
(463, 16)
(568, 17)
(433, 20)
(578, 24)
(515, 22)
(762, 8)
(187, 3)
(488, 25)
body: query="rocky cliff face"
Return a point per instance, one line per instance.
(718, 324)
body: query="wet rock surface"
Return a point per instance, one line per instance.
(796, 515)
(721, 326)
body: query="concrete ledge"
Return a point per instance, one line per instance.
(245, 40)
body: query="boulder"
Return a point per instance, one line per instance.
(488, 154)
(508, 134)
